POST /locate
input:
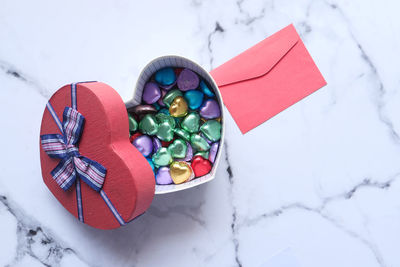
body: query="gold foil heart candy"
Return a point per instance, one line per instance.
(180, 172)
(178, 107)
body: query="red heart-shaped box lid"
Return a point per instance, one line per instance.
(129, 183)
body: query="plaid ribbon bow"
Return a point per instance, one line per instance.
(65, 147)
(73, 166)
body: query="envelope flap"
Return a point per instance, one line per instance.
(257, 60)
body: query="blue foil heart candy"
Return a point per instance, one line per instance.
(194, 98)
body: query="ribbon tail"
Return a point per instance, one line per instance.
(91, 172)
(54, 146)
(64, 174)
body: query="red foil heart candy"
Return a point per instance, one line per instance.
(166, 144)
(201, 166)
(134, 136)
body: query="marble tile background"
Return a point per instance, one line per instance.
(321, 178)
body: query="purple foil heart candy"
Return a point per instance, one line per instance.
(160, 101)
(163, 176)
(210, 109)
(213, 152)
(156, 144)
(189, 152)
(205, 138)
(144, 144)
(187, 80)
(167, 87)
(151, 93)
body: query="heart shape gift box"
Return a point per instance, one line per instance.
(87, 160)
(180, 62)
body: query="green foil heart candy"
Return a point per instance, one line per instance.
(162, 157)
(212, 130)
(191, 122)
(203, 154)
(132, 123)
(170, 96)
(182, 134)
(148, 125)
(199, 143)
(165, 132)
(178, 149)
(161, 117)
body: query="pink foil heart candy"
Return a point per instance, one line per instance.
(141, 110)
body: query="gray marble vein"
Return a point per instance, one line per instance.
(320, 178)
(35, 241)
(234, 212)
(12, 71)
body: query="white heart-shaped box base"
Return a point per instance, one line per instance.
(180, 62)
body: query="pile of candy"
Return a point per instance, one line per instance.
(178, 126)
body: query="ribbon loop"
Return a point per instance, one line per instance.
(53, 145)
(73, 125)
(72, 164)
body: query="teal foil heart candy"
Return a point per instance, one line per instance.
(170, 96)
(194, 98)
(132, 123)
(148, 125)
(161, 117)
(165, 132)
(150, 161)
(191, 122)
(165, 76)
(162, 157)
(182, 134)
(178, 122)
(157, 106)
(212, 130)
(178, 149)
(199, 143)
(164, 110)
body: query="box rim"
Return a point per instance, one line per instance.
(137, 92)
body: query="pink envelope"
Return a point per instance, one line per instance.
(267, 78)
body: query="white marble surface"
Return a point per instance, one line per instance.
(322, 178)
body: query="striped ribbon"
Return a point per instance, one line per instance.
(73, 166)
